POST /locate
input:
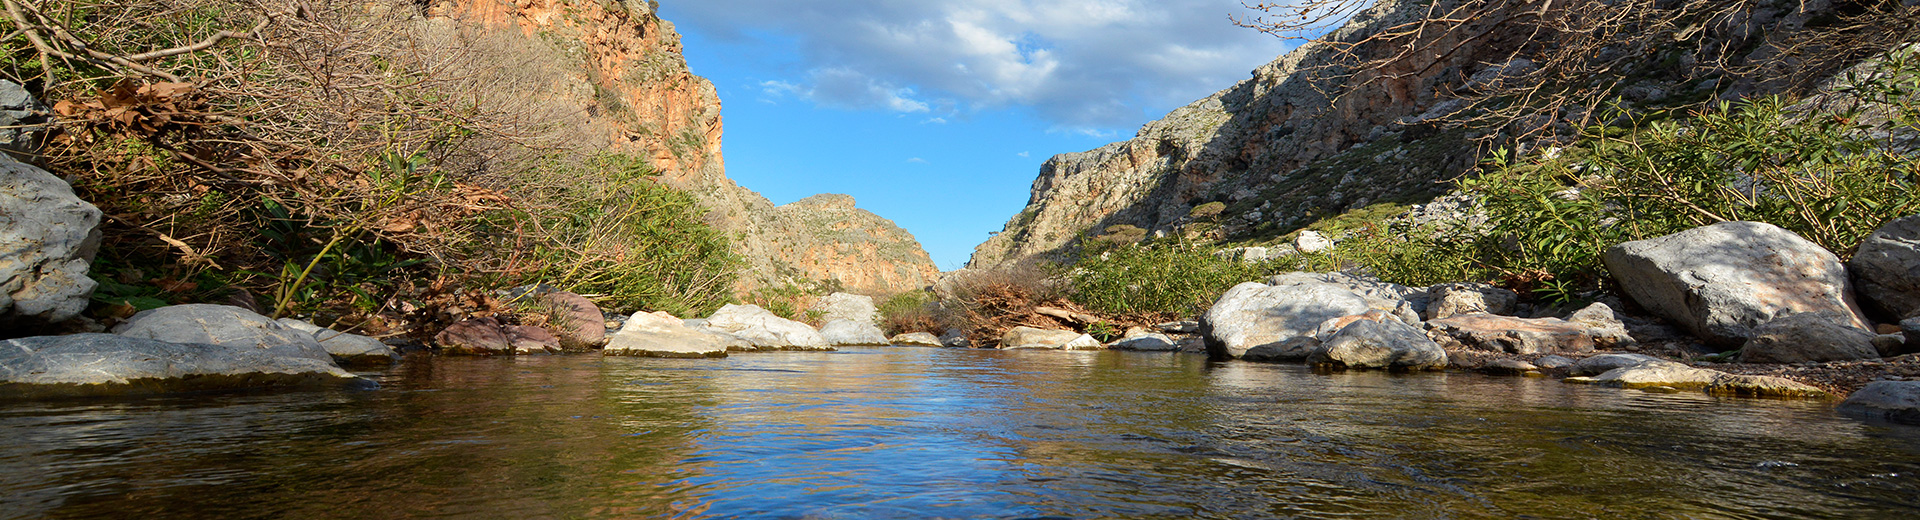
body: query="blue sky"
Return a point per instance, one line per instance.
(938, 115)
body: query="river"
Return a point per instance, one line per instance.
(943, 433)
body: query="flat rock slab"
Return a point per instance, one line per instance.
(1032, 338)
(916, 339)
(1523, 335)
(108, 364)
(222, 325)
(1596, 365)
(1896, 401)
(346, 349)
(1150, 342)
(661, 335)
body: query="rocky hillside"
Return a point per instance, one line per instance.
(612, 76)
(1280, 151)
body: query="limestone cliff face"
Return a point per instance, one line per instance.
(610, 75)
(1278, 150)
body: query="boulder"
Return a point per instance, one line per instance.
(1809, 336)
(222, 325)
(1910, 328)
(1454, 299)
(1886, 269)
(346, 349)
(1890, 345)
(1379, 344)
(1551, 362)
(1253, 315)
(843, 306)
(1311, 242)
(1327, 329)
(574, 320)
(1524, 336)
(48, 237)
(658, 334)
(1406, 303)
(22, 127)
(475, 337)
(1084, 342)
(916, 339)
(1032, 338)
(1149, 342)
(1293, 349)
(527, 339)
(1896, 401)
(1604, 363)
(1722, 281)
(109, 364)
(1608, 330)
(955, 338)
(842, 331)
(765, 329)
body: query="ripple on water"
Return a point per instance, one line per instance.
(941, 433)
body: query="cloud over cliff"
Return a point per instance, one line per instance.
(1081, 64)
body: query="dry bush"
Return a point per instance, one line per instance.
(1586, 53)
(985, 304)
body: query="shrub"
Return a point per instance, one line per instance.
(911, 311)
(1160, 278)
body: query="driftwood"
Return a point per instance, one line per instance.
(1067, 315)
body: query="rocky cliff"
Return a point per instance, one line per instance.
(610, 75)
(1305, 138)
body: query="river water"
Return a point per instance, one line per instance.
(941, 433)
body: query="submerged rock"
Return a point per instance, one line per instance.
(346, 349)
(917, 339)
(765, 329)
(222, 325)
(1604, 363)
(659, 334)
(108, 364)
(1379, 344)
(845, 332)
(1761, 386)
(1665, 373)
(1809, 336)
(1896, 401)
(1722, 281)
(47, 243)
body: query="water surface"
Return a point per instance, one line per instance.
(939, 433)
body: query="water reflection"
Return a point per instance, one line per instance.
(934, 433)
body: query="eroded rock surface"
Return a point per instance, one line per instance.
(1886, 269)
(658, 334)
(1722, 281)
(845, 332)
(48, 237)
(222, 325)
(1281, 318)
(1386, 344)
(765, 329)
(346, 349)
(1524, 335)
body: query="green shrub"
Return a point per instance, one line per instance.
(909, 312)
(1161, 277)
(628, 239)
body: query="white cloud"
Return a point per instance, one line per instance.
(1025, 154)
(917, 160)
(935, 121)
(1081, 64)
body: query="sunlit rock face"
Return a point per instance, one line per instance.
(612, 76)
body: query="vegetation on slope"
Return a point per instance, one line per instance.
(338, 161)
